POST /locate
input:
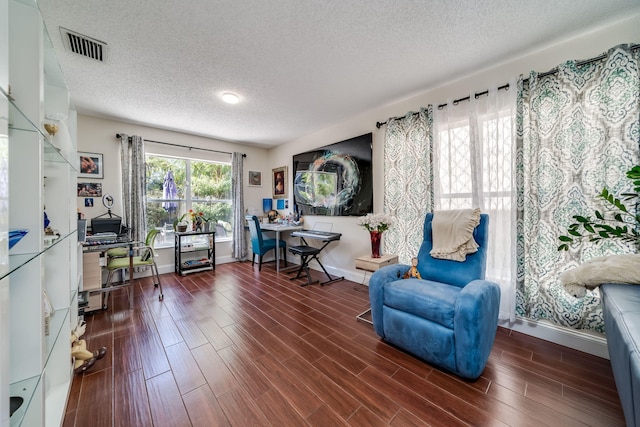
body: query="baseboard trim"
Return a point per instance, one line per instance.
(585, 341)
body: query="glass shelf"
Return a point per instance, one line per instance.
(56, 323)
(17, 261)
(19, 121)
(25, 389)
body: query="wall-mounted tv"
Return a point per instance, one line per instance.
(336, 179)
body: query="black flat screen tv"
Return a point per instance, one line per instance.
(336, 179)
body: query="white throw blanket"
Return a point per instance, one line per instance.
(452, 234)
(624, 268)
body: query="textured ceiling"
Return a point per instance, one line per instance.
(298, 65)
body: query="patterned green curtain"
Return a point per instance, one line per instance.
(408, 181)
(578, 131)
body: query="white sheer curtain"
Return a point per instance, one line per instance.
(474, 166)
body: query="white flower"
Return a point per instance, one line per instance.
(376, 222)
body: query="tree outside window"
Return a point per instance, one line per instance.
(202, 186)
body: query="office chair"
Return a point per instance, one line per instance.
(259, 244)
(146, 258)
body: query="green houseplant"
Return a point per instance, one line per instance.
(619, 221)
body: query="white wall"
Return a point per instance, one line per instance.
(339, 259)
(98, 135)
(355, 239)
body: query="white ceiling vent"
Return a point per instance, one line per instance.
(83, 45)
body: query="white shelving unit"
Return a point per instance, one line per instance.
(42, 175)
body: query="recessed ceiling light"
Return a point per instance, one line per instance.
(230, 98)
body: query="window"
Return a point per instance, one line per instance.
(474, 156)
(201, 185)
(479, 172)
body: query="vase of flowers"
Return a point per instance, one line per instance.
(375, 224)
(198, 220)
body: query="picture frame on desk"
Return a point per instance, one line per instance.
(91, 165)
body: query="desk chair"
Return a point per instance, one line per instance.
(146, 258)
(260, 245)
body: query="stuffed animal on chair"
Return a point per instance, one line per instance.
(413, 271)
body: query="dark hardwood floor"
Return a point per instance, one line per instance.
(238, 347)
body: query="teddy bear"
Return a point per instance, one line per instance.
(413, 271)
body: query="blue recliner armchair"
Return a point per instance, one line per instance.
(449, 317)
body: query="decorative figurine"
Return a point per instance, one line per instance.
(413, 271)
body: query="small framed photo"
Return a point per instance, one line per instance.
(280, 182)
(89, 189)
(255, 179)
(88, 202)
(91, 165)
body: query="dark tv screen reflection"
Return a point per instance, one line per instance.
(336, 179)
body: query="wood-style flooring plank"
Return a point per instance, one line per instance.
(203, 408)
(184, 367)
(152, 355)
(363, 417)
(131, 402)
(245, 371)
(236, 347)
(532, 410)
(278, 410)
(218, 376)
(240, 409)
(190, 332)
(419, 405)
(441, 398)
(335, 397)
(126, 355)
(371, 397)
(299, 395)
(324, 416)
(167, 408)
(215, 335)
(168, 331)
(95, 406)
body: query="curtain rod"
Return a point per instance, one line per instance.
(581, 63)
(441, 106)
(506, 87)
(184, 146)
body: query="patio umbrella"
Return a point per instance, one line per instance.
(169, 191)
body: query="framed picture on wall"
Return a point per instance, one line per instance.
(280, 182)
(91, 165)
(255, 179)
(89, 189)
